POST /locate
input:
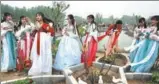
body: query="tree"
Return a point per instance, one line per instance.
(99, 18)
(79, 20)
(57, 12)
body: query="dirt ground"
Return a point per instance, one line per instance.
(15, 75)
(11, 75)
(137, 81)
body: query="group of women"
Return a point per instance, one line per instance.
(30, 46)
(144, 48)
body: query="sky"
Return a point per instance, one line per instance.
(106, 8)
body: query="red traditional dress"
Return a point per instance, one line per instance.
(24, 46)
(91, 44)
(41, 54)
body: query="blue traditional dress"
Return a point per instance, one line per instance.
(69, 52)
(8, 58)
(146, 54)
(138, 37)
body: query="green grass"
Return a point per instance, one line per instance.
(25, 81)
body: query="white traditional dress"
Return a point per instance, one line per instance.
(41, 54)
(69, 52)
(8, 58)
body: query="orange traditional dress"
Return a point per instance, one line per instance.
(41, 54)
(113, 33)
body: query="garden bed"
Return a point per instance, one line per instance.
(78, 71)
(115, 59)
(137, 78)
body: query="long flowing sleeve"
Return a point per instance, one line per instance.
(154, 36)
(4, 31)
(136, 34)
(109, 29)
(48, 28)
(22, 30)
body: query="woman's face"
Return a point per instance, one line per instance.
(154, 22)
(23, 20)
(141, 23)
(119, 25)
(9, 18)
(89, 20)
(68, 20)
(38, 17)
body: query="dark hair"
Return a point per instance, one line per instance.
(156, 17)
(46, 20)
(5, 15)
(71, 17)
(142, 20)
(119, 22)
(92, 17)
(20, 22)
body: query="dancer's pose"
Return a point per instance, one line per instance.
(41, 55)
(8, 59)
(69, 52)
(138, 36)
(113, 31)
(24, 42)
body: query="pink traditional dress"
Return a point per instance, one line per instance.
(24, 46)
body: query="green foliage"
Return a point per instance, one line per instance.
(55, 48)
(98, 18)
(109, 59)
(26, 81)
(56, 12)
(81, 30)
(79, 20)
(155, 78)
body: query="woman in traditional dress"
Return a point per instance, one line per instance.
(91, 41)
(113, 31)
(148, 51)
(69, 52)
(8, 58)
(138, 36)
(41, 54)
(24, 42)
